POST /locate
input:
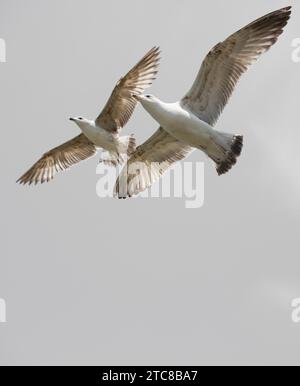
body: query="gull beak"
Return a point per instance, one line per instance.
(72, 119)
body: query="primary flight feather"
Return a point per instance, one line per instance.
(103, 133)
(188, 124)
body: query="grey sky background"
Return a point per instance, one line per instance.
(92, 281)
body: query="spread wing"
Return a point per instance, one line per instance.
(121, 103)
(227, 61)
(58, 159)
(149, 162)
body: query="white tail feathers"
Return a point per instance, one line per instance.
(111, 158)
(126, 147)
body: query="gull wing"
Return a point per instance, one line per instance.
(58, 159)
(149, 162)
(227, 61)
(121, 103)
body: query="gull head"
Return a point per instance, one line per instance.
(153, 105)
(148, 101)
(81, 122)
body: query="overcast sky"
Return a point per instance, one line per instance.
(94, 281)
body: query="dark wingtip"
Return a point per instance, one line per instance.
(20, 181)
(287, 10)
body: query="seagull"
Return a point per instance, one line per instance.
(188, 124)
(103, 133)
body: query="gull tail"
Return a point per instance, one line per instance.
(231, 155)
(111, 158)
(127, 145)
(225, 150)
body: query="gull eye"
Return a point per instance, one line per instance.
(80, 118)
(148, 96)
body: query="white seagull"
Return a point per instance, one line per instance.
(188, 124)
(103, 133)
